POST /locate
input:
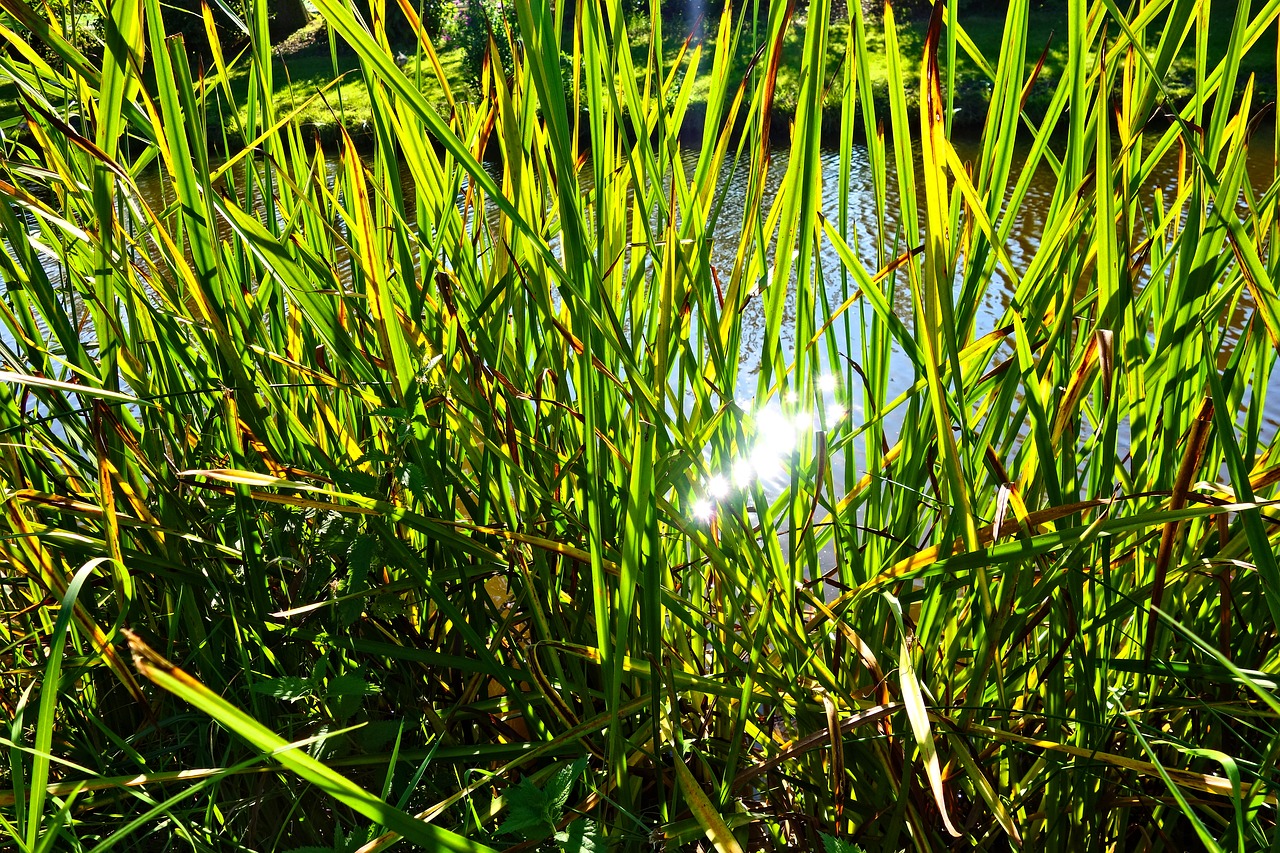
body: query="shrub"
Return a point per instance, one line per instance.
(472, 23)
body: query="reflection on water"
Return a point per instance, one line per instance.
(873, 247)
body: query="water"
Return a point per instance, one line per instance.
(860, 204)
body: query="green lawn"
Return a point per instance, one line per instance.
(296, 79)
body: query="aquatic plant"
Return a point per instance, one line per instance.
(468, 508)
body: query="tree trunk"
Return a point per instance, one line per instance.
(288, 17)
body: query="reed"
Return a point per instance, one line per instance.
(471, 513)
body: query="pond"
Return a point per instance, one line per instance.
(1022, 245)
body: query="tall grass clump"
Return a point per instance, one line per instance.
(499, 484)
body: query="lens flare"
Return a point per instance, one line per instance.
(827, 383)
(703, 510)
(775, 431)
(717, 487)
(766, 459)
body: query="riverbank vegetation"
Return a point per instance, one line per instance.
(307, 64)
(318, 78)
(362, 495)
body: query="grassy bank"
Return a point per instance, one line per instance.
(479, 516)
(302, 72)
(308, 64)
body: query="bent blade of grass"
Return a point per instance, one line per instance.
(49, 701)
(1255, 685)
(1259, 540)
(137, 780)
(1187, 779)
(550, 747)
(918, 715)
(173, 679)
(165, 807)
(1232, 769)
(707, 815)
(1202, 832)
(71, 388)
(985, 789)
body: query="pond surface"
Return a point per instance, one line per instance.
(1022, 245)
(776, 435)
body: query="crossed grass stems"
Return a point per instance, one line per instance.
(299, 487)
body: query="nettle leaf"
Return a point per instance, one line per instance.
(333, 529)
(287, 688)
(360, 558)
(353, 841)
(350, 685)
(345, 692)
(559, 786)
(376, 736)
(357, 482)
(839, 845)
(527, 811)
(582, 836)
(380, 457)
(414, 481)
(388, 606)
(535, 811)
